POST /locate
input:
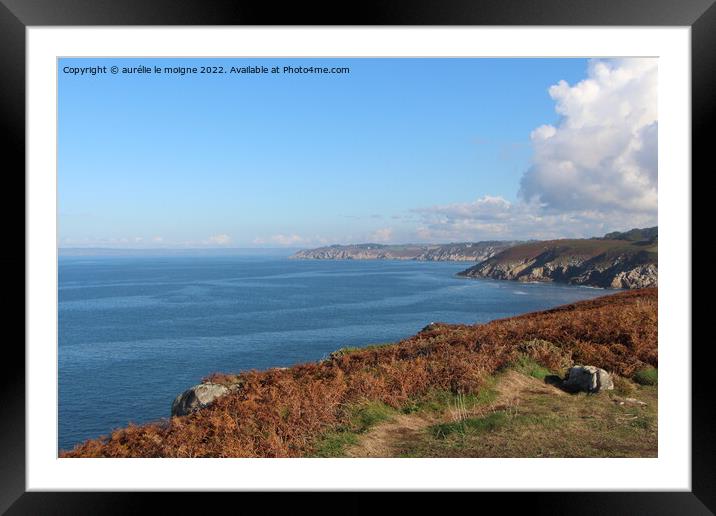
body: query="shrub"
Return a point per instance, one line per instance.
(529, 367)
(647, 376)
(622, 386)
(546, 353)
(370, 414)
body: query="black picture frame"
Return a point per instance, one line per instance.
(17, 15)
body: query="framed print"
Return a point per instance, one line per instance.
(415, 249)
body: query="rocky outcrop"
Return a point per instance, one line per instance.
(617, 272)
(617, 260)
(642, 276)
(589, 379)
(598, 262)
(469, 252)
(197, 397)
(460, 252)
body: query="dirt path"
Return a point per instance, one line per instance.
(385, 439)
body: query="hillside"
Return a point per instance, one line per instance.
(648, 235)
(339, 406)
(617, 260)
(467, 251)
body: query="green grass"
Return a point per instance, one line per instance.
(352, 349)
(549, 426)
(474, 425)
(647, 376)
(541, 425)
(370, 414)
(334, 444)
(439, 401)
(527, 366)
(362, 417)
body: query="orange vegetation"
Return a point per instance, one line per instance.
(280, 413)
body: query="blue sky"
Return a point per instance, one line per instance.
(398, 150)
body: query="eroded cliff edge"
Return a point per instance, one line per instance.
(618, 260)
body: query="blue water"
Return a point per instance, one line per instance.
(135, 332)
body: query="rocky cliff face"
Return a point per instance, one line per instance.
(476, 252)
(461, 252)
(617, 260)
(641, 276)
(599, 263)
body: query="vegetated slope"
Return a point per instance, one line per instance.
(521, 412)
(618, 260)
(635, 235)
(282, 413)
(466, 251)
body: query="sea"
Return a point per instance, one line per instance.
(136, 331)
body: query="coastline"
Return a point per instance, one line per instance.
(535, 282)
(287, 334)
(339, 359)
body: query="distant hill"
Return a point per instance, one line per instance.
(464, 251)
(616, 260)
(634, 235)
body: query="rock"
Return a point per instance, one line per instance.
(597, 262)
(465, 252)
(630, 401)
(588, 379)
(197, 397)
(643, 276)
(430, 326)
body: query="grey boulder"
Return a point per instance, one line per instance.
(197, 397)
(588, 379)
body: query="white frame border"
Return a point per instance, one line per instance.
(670, 471)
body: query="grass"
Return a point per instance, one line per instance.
(529, 367)
(361, 418)
(438, 401)
(334, 444)
(354, 349)
(647, 376)
(285, 412)
(549, 426)
(623, 386)
(474, 425)
(364, 417)
(369, 414)
(564, 426)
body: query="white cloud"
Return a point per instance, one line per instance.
(222, 239)
(289, 240)
(382, 235)
(487, 208)
(594, 171)
(495, 218)
(601, 155)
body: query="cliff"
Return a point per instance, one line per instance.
(467, 251)
(617, 260)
